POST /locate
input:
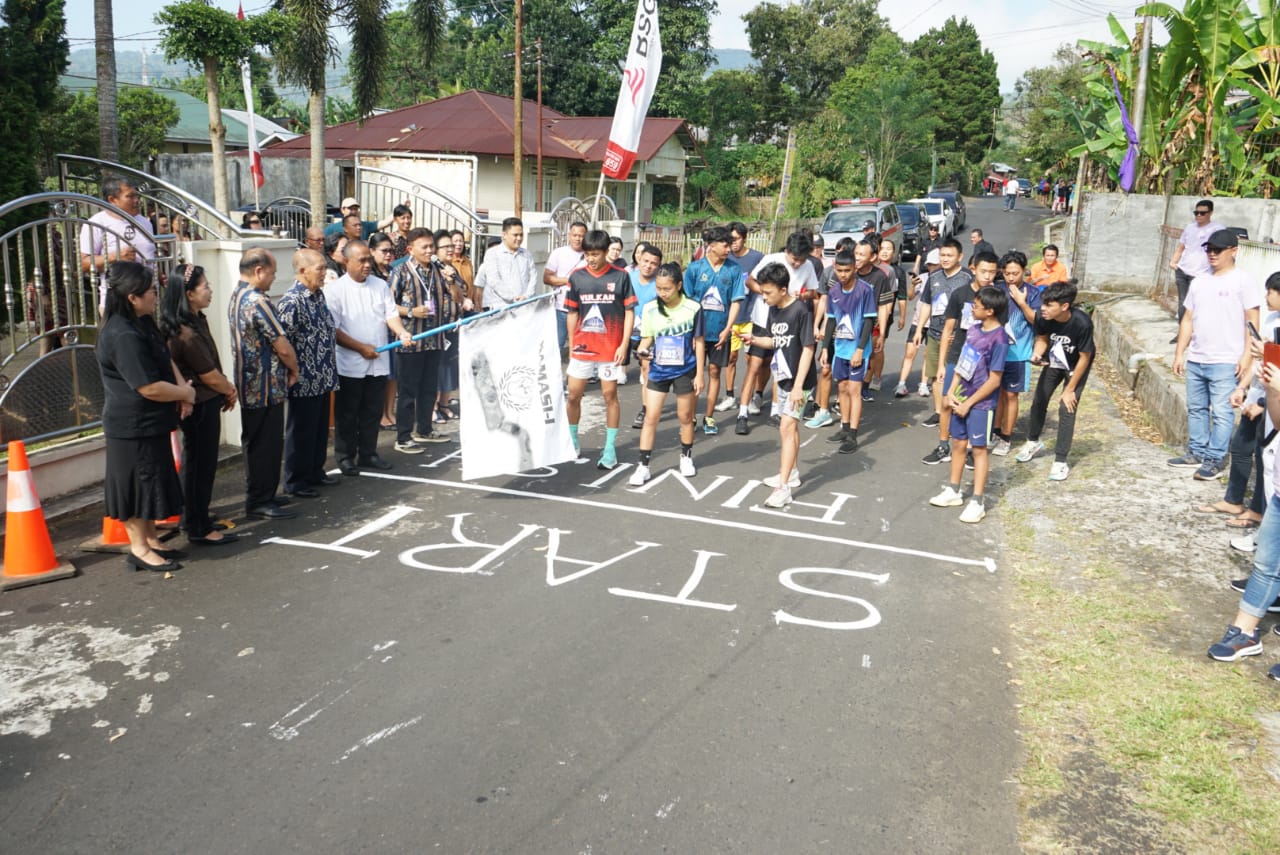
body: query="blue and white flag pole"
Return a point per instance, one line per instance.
(468, 319)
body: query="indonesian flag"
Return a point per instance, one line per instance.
(639, 79)
(255, 158)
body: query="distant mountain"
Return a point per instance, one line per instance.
(731, 59)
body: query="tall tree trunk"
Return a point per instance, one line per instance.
(105, 51)
(217, 136)
(315, 104)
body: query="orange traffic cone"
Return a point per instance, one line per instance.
(176, 445)
(28, 551)
(113, 538)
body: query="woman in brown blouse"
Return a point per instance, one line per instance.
(182, 320)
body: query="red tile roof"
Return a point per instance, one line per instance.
(475, 122)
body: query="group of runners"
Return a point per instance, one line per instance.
(817, 327)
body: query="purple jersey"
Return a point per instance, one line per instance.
(984, 352)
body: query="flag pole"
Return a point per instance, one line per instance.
(462, 321)
(595, 202)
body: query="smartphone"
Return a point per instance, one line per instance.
(1253, 331)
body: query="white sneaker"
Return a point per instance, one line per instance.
(793, 482)
(727, 404)
(1245, 542)
(948, 498)
(687, 469)
(1001, 448)
(973, 512)
(900, 391)
(639, 476)
(754, 405)
(1029, 450)
(779, 498)
(1059, 471)
(622, 377)
(923, 390)
(874, 385)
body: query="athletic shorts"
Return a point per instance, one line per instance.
(759, 352)
(682, 385)
(735, 343)
(911, 333)
(585, 369)
(717, 355)
(841, 370)
(973, 428)
(784, 397)
(1016, 377)
(932, 350)
(948, 377)
(829, 345)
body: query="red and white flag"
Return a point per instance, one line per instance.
(639, 79)
(255, 158)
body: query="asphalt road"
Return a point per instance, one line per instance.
(553, 663)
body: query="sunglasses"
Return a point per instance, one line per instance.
(1200, 213)
(1215, 250)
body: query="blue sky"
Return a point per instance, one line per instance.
(1021, 33)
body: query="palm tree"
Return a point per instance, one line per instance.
(105, 53)
(305, 58)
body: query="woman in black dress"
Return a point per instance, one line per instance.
(143, 401)
(186, 295)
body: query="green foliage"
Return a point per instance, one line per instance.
(1042, 98)
(145, 118)
(733, 105)
(196, 32)
(802, 49)
(961, 75)
(33, 52)
(230, 88)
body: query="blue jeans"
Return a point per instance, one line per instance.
(1209, 414)
(1009, 201)
(562, 328)
(1264, 581)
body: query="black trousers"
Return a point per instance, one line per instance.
(262, 438)
(200, 434)
(417, 376)
(1184, 285)
(357, 410)
(1050, 380)
(306, 441)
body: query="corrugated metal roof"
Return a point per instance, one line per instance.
(475, 122)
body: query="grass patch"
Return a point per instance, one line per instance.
(1181, 733)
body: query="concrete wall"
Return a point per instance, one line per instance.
(286, 176)
(1118, 243)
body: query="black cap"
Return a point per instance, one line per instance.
(935, 227)
(869, 224)
(1222, 239)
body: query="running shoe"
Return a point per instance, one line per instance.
(940, 454)
(755, 404)
(640, 476)
(728, 403)
(820, 419)
(1185, 461)
(968, 460)
(793, 482)
(1059, 471)
(743, 426)
(1001, 448)
(638, 422)
(849, 446)
(900, 391)
(1239, 586)
(709, 426)
(1029, 451)
(779, 498)
(923, 390)
(974, 512)
(687, 469)
(950, 497)
(932, 421)
(608, 459)
(840, 435)
(1235, 644)
(409, 447)
(874, 385)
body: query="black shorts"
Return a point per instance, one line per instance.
(758, 331)
(718, 355)
(682, 385)
(911, 333)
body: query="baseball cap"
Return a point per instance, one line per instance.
(1222, 239)
(934, 257)
(934, 227)
(349, 202)
(869, 224)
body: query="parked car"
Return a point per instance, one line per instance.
(914, 219)
(940, 213)
(1024, 187)
(957, 204)
(847, 217)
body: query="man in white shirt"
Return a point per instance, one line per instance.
(1011, 189)
(563, 261)
(1212, 353)
(362, 309)
(108, 237)
(507, 275)
(1189, 258)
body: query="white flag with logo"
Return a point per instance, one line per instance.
(639, 79)
(513, 407)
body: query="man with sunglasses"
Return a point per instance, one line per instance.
(1189, 259)
(1213, 353)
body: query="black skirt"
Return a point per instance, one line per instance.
(141, 481)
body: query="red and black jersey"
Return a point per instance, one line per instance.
(601, 301)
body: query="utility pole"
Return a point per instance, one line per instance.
(517, 148)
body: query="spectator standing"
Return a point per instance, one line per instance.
(1189, 258)
(402, 222)
(366, 228)
(1212, 354)
(1048, 269)
(462, 263)
(563, 261)
(265, 368)
(187, 294)
(508, 274)
(108, 237)
(980, 245)
(1011, 190)
(310, 329)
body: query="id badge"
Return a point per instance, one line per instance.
(968, 362)
(668, 351)
(779, 367)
